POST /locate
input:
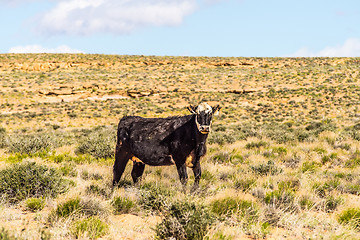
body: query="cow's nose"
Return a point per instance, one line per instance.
(205, 129)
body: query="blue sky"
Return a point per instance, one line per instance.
(257, 28)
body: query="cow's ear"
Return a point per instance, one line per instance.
(192, 109)
(216, 110)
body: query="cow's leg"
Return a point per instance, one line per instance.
(182, 174)
(137, 171)
(121, 159)
(197, 175)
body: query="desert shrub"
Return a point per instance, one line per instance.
(30, 144)
(95, 189)
(293, 160)
(100, 143)
(256, 145)
(309, 166)
(16, 158)
(91, 227)
(282, 136)
(61, 158)
(184, 220)
(221, 157)
(122, 205)
(289, 185)
(154, 197)
(68, 169)
(353, 131)
(280, 199)
(236, 158)
(329, 158)
(318, 127)
(227, 157)
(221, 138)
(352, 189)
(258, 230)
(354, 161)
(90, 176)
(303, 136)
(3, 137)
(323, 189)
(350, 216)
(245, 183)
(75, 208)
(68, 208)
(331, 203)
(21, 181)
(247, 130)
(35, 204)
(6, 235)
(306, 202)
(207, 176)
(230, 206)
(268, 168)
(279, 150)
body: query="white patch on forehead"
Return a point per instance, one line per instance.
(204, 107)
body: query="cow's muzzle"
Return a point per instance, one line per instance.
(204, 129)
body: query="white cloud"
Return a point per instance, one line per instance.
(40, 49)
(351, 48)
(83, 17)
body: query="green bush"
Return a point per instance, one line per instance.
(99, 144)
(309, 166)
(245, 183)
(221, 138)
(75, 208)
(91, 227)
(21, 181)
(289, 185)
(68, 169)
(30, 144)
(3, 137)
(235, 206)
(280, 150)
(280, 199)
(154, 197)
(331, 203)
(318, 127)
(266, 169)
(256, 145)
(35, 204)
(323, 189)
(122, 205)
(350, 216)
(104, 191)
(68, 208)
(16, 158)
(306, 203)
(184, 220)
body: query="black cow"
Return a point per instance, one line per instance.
(179, 140)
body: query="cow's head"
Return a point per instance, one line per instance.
(203, 116)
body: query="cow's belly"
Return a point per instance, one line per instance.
(152, 154)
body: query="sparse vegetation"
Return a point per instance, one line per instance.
(35, 204)
(22, 181)
(91, 227)
(283, 156)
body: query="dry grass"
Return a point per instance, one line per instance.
(287, 140)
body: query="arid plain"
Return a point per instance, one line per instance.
(283, 156)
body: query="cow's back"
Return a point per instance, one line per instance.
(149, 138)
